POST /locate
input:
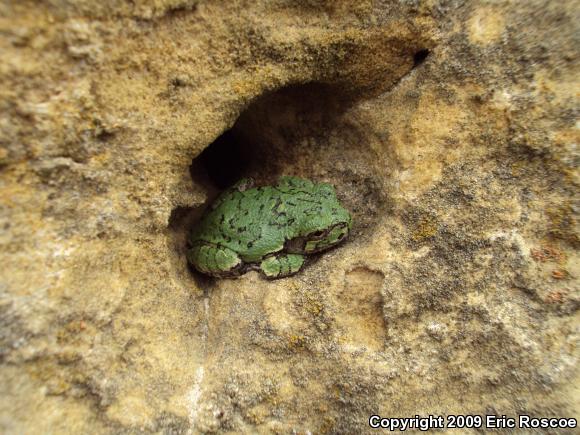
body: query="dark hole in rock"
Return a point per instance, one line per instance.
(420, 56)
(223, 162)
(181, 216)
(300, 130)
(268, 138)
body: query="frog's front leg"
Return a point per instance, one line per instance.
(281, 265)
(215, 260)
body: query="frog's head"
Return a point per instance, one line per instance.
(325, 229)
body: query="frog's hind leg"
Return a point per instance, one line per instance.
(282, 265)
(215, 260)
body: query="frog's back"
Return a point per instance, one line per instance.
(245, 222)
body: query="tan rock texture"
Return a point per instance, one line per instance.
(450, 130)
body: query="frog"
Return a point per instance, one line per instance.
(271, 229)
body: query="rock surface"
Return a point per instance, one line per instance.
(449, 129)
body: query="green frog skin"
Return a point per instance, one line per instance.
(269, 228)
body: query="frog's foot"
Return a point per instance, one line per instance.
(281, 265)
(215, 260)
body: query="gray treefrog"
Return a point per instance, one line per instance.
(269, 228)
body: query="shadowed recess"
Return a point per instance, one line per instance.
(223, 162)
(420, 56)
(262, 144)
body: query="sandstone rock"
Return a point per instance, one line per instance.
(449, 129)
